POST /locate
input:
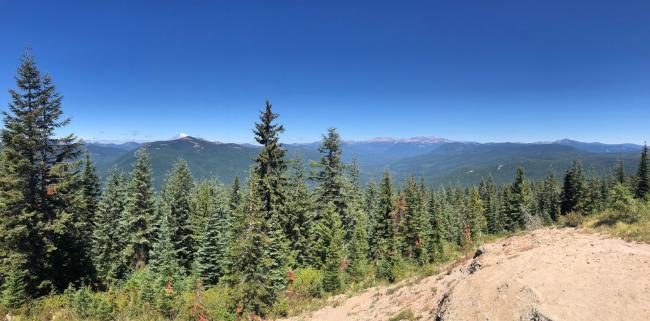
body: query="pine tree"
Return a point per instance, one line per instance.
(330, 179)
(263, 235)
(357, 248)
(14, 290)
(176, 205)
(573, 189)
(211, 256)
(251, 273)
(333, 253)
(477, 221)
(387, 251)
(517, 209)
(39, 188)
(139, 212)
(412, 224)
(165, 261)
(235, 195)
(619, 171)
(385, 226)
(370, 202)
(436, 233)
(550, 199)
(107, 238)
(490, 199)
(300, 216)
(642, 190)
(91, 193)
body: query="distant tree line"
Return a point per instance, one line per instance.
(60, 228)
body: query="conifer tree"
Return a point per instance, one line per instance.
(235, 195)
(263, 235)
(477, 221)
(573, 189)
(252, 270)
(490, 200)
(436, 233)
(330, 226)
(211, 259)
(108, 238)
(550, 199)
(619, 171)
(387, 255)
(518, 200)
(176, 205)
(299, 218)
(39, 189)
(139, 212)
(642, 190)
(330, 179)
(357, 248)
(370, 202)
(412, 224)
(91, 193)
(384, 228)
(165, 261)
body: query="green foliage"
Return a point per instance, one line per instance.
(642, 190)
(108, 238)
(211, 255)
(572, 219)
(333, 256)
(518, 203)
(40, 202)
(175, 208)
(573, 189)
(308, 283)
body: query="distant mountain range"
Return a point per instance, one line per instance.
(439, 161)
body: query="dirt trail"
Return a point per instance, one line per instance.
(548, 274)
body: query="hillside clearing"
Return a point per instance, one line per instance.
(548, 274)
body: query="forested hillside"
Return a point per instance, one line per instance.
(278, 235)
(439, 162)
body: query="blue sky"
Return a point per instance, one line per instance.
(519, 70)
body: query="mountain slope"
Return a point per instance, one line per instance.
(206, 159)
(440, 162)
(548, 274)
(466, 163)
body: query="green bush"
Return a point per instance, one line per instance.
(89, 305)
(572, 219)
(308, 283)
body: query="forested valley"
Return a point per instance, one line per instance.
(75, 248)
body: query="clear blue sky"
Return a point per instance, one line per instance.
(518, 70)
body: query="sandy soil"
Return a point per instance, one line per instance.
(548, 274)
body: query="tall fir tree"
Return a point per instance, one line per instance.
(211, 258)
(413, 231)
(387, 251)
(573, 189)
(549, 206)
(266, 206)
(299, 214)
(619, 172)
(436, 232)
(477, 221)
(91, 192)
(175, 204)
(40, 202)
(642, 190)
(518, 211)
(108, 238)
(139, 212)
(252, 270)
(332, 260)
(330, 179)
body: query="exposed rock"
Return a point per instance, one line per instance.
(479, 252)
